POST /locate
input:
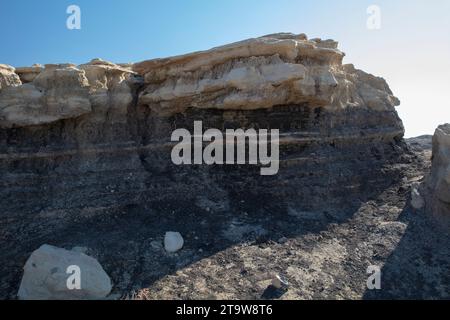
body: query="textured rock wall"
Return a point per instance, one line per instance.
(438, 182)
(78, 140)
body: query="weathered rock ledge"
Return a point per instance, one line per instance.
(262, 73)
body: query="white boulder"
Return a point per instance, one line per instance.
(51, 274)
(173, 242)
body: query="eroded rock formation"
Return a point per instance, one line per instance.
(8, 77)
(63, 91)
(438, 182)
(99, 133)
(261, 74)
(80, 141)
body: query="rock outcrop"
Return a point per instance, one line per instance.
(48, 272)
(261, 73)
(77, 142)
(63, 91)
(28, 74)
(438, 182)
(8, 78)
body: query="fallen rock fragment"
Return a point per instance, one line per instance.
(417, 200)
(282, 240)
(156, 245)
(173, 242)
(280, 282)
(48, 274)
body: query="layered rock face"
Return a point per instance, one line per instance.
(438, 182)
(261, 73)
(79, 140)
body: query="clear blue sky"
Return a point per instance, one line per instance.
(411, 50)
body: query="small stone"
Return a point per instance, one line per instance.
(279, 282)
(282, 240)
(417, 201)
(156, 245)
(173, 242)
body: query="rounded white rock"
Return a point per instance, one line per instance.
(416, 199)
(49, 269)
(173, 242)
